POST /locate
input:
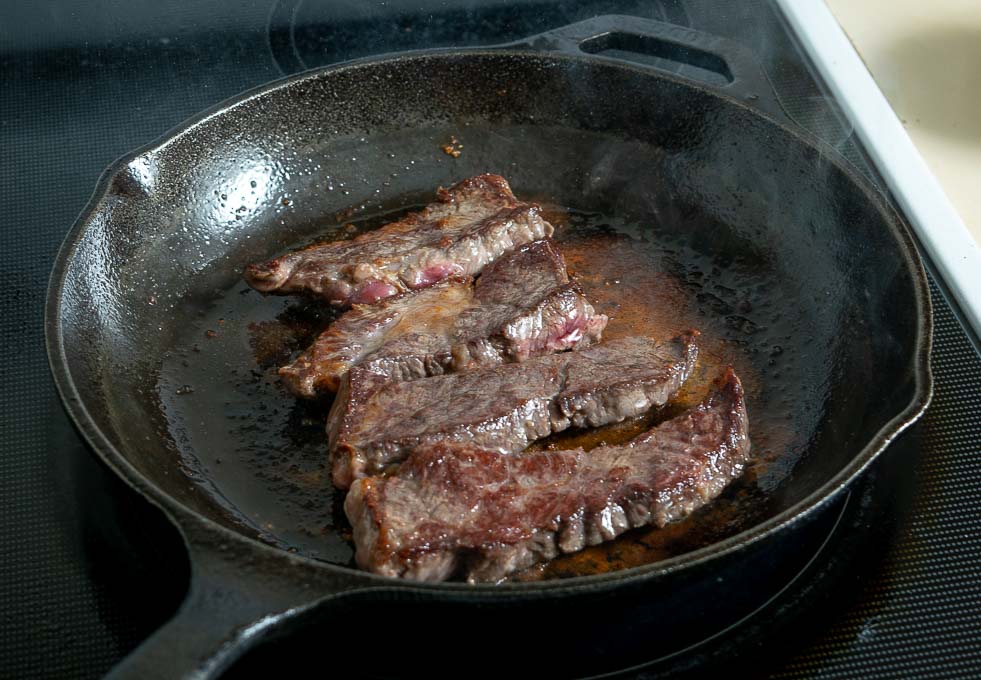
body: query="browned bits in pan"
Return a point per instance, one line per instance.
(454, 148)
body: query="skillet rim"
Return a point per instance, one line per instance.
(184, 518)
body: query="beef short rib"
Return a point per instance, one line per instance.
(405, 335)
(459, 510)
(375, 423)
(523, 305)
(469, 226)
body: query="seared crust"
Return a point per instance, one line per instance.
(522, 306)
(459, 510)
(376, 423)
(469, 226)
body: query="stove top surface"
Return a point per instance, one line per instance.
(887, 582)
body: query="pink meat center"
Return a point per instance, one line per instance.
(372, 292)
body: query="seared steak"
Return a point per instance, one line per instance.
(523, 305)
(469, 226)
(459, 510)
(406, 335)
(375, 422)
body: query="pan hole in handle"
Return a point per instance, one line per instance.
(663, 55)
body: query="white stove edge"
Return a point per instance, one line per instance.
(940, 229)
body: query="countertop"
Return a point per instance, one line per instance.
(926, 59)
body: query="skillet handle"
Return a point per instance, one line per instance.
(237, 597)
(711, 61)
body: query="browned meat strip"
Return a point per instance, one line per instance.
(526, 306)
(523, 305)
(375, 422)
(458, 510)
(469, 226)
(407, 336)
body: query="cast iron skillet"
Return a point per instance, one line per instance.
(810, 281)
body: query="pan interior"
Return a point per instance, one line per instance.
(676, 209)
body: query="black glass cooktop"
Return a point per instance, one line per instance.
(887, 582)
